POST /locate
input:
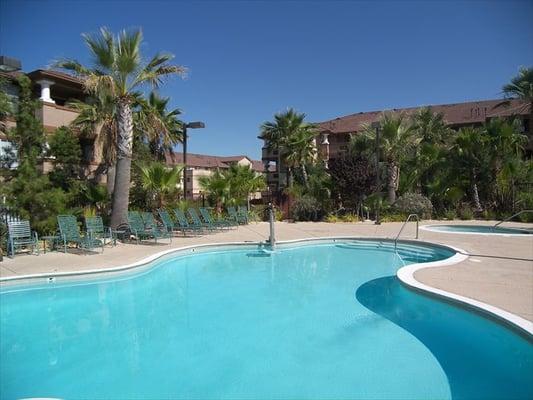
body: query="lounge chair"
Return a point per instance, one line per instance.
(243, 211)
(139, 229)
(235, 216)
(185, 224)
(168, 223)
(69, 232)
(151, 224)
(197, 221)
(96, 229)
(19, 234)
(206, 215)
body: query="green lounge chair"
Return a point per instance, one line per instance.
(151, 224)
(206, 215)
(235, 216)
(168, 223)
(138, 228)
(94, 226)
(19, 234)
(69, 232)
(197, 221)
(185, 224)
(243, 211)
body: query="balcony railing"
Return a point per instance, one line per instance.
(54, 116)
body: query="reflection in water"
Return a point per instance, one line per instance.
(459, 340)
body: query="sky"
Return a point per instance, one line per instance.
(248, 60)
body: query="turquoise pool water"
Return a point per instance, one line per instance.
(316, 321)
(479, 229)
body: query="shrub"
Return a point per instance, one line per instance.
(332, 218)
(350, 218)
(465, 212)
(393, 217)
(450, 214)
(413, 203)
(307, 208)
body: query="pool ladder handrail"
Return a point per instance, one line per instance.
(511, 217)
(403, 226)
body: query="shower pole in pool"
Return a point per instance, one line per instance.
(272, 238)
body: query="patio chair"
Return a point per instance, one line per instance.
(138, 228)
(168, 223)
(94, 226)
(19, 234)
(235, 216)
(243, 211)
(185, 224)
(151, 224)
(69, 232)
(197, 221)
(206, 215)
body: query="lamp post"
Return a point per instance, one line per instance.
(376, 125)
(190, 125)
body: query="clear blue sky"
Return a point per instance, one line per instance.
(249, 60)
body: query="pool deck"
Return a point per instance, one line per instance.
(499, 271)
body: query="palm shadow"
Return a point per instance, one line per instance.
(481, 358)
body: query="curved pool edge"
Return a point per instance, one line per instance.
(430, 228)
(404, 274)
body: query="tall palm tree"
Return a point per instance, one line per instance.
(119, 71)
(217, 186)
(159, 181)
(471, 150)
(98, 116)
(521, 87)
(158, 126)
(397, 140)
(292, 137)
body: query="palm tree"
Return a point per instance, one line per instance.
(521, 87)
(293, 138)
(397, 140)
(471, 152)
(159, 181)
(98, 116)
(159, 127)
(119, 72)
(243, 181)
(217, 186)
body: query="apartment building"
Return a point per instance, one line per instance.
(334, 135)
(199, 165)
(54, 89)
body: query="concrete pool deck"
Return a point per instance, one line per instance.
(499, 271)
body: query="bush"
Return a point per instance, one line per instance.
(393, 217)
(465, 212)
(450, 214)
(413, 203)
(333, 218)
(307, 208)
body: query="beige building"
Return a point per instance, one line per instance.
(199, 165)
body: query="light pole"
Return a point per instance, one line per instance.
(376, 125)
(190, 125)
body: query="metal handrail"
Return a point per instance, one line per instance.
(403, 226)
(511, 217)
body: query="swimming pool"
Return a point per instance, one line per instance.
(319, 320)
(478, 229)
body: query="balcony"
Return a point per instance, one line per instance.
(54, 116)
(269, 154)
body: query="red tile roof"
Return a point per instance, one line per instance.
(454, 114)
(207, 161)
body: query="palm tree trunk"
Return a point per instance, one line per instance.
(475, 194)
(392, 183)
(305, 176)
(121, 193)
(110, 178)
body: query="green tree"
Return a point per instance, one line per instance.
(217, 187)
(64, 151)
(158, 126)
(397, 140)
(243, 181)
(119, 71)
(521, 87)
(159, 181)
(293, 138)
